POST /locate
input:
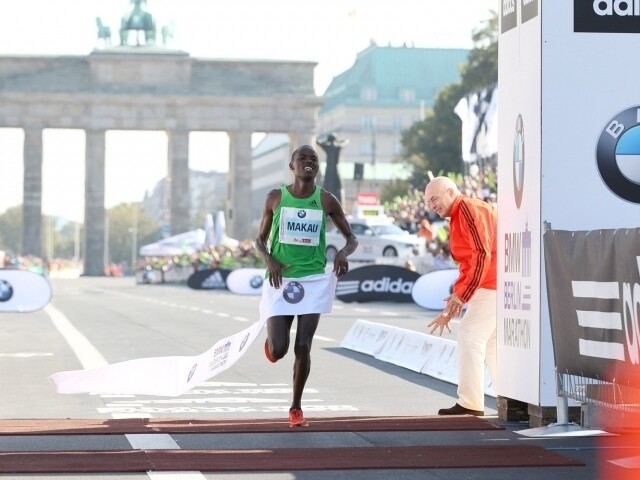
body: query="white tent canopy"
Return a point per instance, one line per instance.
(188, 242)
(213, 234)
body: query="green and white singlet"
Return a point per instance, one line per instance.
(298, 234)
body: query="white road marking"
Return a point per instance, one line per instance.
(152, 441)
(318, 337)
(325, 339)
(90, 357)
(176, 476)
(26, 354)
(87, 354)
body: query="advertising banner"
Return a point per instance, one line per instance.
(593, 284)
(521, 341)
(569, 145)
(377, 283)
(209, 279)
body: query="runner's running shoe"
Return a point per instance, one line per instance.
(267, 353)
(296, 418)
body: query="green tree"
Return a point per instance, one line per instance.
(434, 144)
(11, 230)
(129, 222)
(68, 240)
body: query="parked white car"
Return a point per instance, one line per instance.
(375, 240)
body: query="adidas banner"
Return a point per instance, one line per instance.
(209, 279)
(172, 376)
(377, 283)
(593, 286)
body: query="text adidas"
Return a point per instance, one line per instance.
(622, 8)
(386, 285)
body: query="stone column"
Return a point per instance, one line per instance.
(239, 195)
(178, 172)
(32, 193)
(94, 212)
(297, 139)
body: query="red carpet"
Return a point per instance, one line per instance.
(284, 459)
(158, 425)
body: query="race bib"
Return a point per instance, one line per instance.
(300, 226)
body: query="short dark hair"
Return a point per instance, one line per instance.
(295, 152)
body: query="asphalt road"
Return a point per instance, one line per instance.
(95, 321)
(120, 320)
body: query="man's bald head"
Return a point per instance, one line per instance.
(440, 194)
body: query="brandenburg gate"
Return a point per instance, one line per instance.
(129, 88)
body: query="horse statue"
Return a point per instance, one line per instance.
(104, 32)
(167, 33)
(138, 20)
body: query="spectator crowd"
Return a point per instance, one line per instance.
(407, 211)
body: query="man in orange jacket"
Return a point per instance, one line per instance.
(473, 234)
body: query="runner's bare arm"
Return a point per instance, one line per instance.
(273, 266)
(333, 208)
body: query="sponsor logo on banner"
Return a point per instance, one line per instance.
(518, 161)
(517, 289)
(594, 302)
(508, 15)
(209, 279)
(606, 16)
(381, 283)
(618, 154)
(6, 291)
(293, 292)
(256, 281)
(529, 10)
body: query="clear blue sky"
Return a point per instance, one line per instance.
(329, 32)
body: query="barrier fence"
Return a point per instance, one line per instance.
(593, 287)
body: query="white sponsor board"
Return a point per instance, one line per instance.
(23, 291)
(416, 351)
(568, 154)
(521, 342)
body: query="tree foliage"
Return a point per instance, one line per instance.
(11, 230)
(434, 144)
(128, 222)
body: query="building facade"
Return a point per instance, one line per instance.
(385, 91)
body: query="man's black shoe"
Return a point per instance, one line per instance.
(460, 410)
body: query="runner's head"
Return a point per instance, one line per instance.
(304, 162)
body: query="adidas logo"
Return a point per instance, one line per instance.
(617, 7)
(313, 203)
(214, 280)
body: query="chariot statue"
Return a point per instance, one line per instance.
(139, 21)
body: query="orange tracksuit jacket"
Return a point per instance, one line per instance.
(473, 232)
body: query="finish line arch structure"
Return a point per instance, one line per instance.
(128, 88)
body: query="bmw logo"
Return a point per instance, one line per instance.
(293, 292)
(302, 214)
(256, 282)
(618, 155)
(6, 291)
(518, 161)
